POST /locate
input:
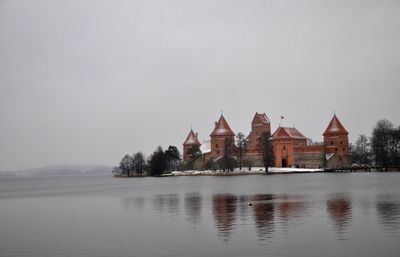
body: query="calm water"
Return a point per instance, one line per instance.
(291, 215)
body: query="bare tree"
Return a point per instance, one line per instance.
(139, 163)
(116, 171)
(394, 148)
(194, 153)
(240, 143)
(361, 150)
(229, 149)
(381, 139)
(265, 148)
(126, 165)
(248, 162)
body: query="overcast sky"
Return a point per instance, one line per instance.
(88, 81)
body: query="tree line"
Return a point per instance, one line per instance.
(156, 164)
(382, 148)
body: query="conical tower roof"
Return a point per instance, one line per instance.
(191, 139)
(222, 128)
(335, 127)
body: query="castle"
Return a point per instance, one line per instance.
(290, 148)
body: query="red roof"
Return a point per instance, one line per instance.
(335, 127)
(260, 119)
(222, 128)
(284, 132)
(191, 139)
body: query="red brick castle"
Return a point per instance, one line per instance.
(290, 147)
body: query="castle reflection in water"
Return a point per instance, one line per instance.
(263, 211)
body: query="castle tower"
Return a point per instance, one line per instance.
(259, 125)
(221, 134)
(284, 141)
(336, 137)
(191, 140)
(336, 141)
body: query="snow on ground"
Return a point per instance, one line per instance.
(244, 171)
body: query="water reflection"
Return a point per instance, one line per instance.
(290, 209)
(133, 202)
(243, 207)
(267, 213)
(224, 209)
(389, 212)
(290, 206)
(193, 204)
(340, 210)
(265, 209)
(166, 203)
(263, 215)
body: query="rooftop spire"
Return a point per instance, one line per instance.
(222, 128)
(335, 127)
(192, 139)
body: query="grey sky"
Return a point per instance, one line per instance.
(88, 81)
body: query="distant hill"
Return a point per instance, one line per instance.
(60, 170)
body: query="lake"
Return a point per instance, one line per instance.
(349, 214)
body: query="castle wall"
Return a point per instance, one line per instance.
(309, 156)
(338, 161)
(256, 160)
(313, 160)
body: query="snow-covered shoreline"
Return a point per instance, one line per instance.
(256, 170)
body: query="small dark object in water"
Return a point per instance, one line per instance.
(249, 204)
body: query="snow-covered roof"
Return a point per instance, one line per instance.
(335, 127)
(329, 155)
(285, 132)
(205, 147)
(222, 128)
(191, 139)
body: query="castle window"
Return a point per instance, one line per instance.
(335, 149)
(284, 147)
(216, 145)
(331, 142)
(341, 142)
(344, 149)
(218, 152)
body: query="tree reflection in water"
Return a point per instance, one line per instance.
(263, 207)
(224, 211)
(340, 211)
(290, 208)
(388, 210)
(166, 203)
(135, 202)
(193, 206)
